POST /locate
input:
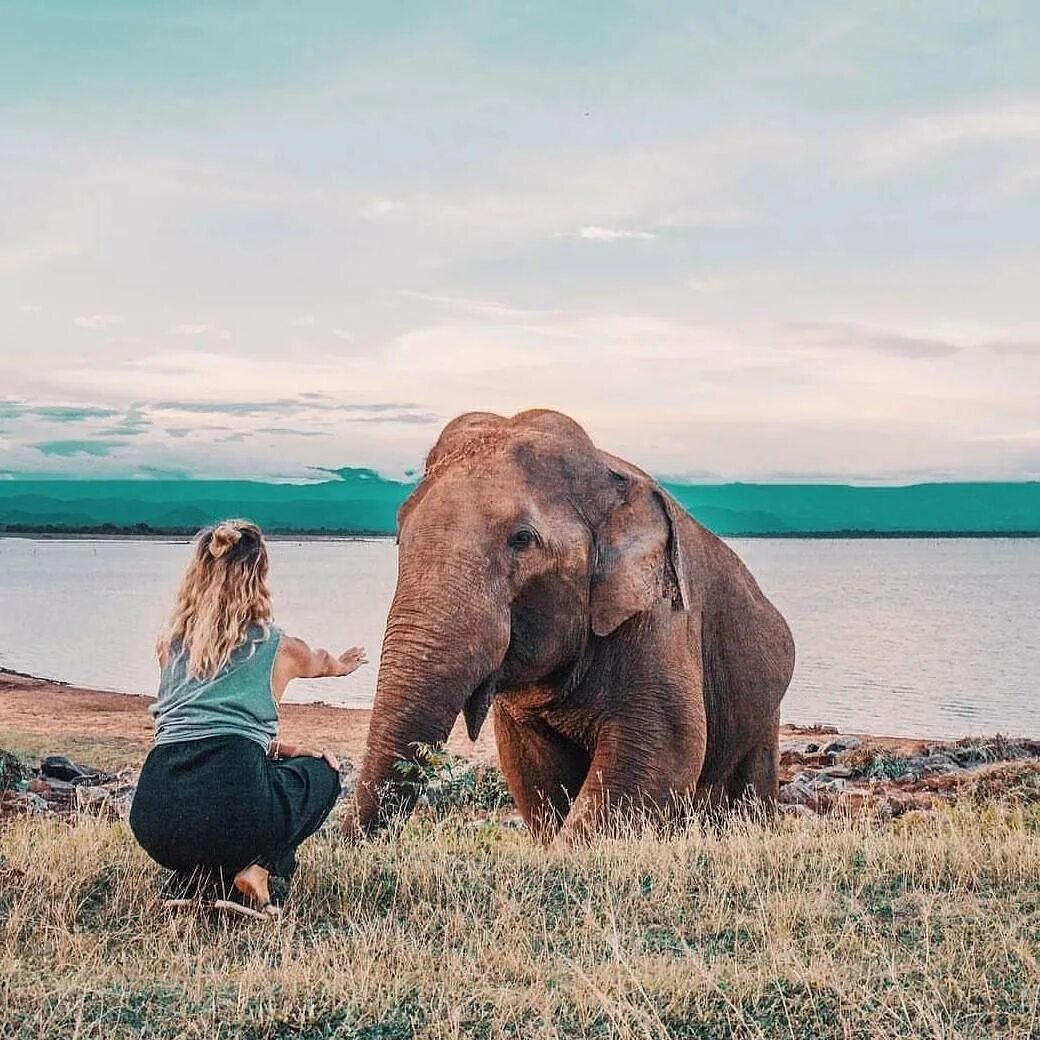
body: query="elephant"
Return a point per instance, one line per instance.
(626, 654)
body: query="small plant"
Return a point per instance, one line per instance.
(445, 782)
(14, 772)
(886, 766)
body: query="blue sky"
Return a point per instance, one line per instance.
(746, 241)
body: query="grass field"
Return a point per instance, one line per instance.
(924, 927)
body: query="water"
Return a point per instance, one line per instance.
(917, 637)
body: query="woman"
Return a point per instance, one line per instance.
(220, 798)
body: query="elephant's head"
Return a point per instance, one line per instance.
(521, 544)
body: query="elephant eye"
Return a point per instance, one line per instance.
(522, 539)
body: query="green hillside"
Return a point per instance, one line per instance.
(360, 501)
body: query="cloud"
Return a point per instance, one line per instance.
(1027, 348)
(285, 431)
(379, 208)
(132, 424)
(30, 308)
(858, 337)
(920, 137)
(981, 157)
(305, 321)
(69, 448)
(482, 309)
(343, 334)
(319, 404)
(594, 233)
(71, 413)
(225, 407)
(97, 321)
(29, 255)
(55, 413)
(199, 329)
(12, 409)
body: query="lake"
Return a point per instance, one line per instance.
(918, 637)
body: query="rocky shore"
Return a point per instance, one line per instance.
(823, 773)
(66, 750)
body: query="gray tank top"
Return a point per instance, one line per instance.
(237, 701)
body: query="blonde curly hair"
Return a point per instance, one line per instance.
(223, 592)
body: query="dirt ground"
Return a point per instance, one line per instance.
(111, 730)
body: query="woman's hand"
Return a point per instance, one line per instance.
(329, 757)
(348, 661)
(284, 750)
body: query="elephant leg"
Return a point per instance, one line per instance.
(544, 770)
(757, 777)
(633, 774)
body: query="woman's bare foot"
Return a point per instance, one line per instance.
(252, 883)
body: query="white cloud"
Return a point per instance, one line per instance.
(305, 321)
(97, 321)
(25, 256)
(344, 335)
(199, 329)
(594, 233)
(30, 308)
(379, 208)
(477, 308)
(910, 141)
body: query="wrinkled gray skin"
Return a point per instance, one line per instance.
(626, 653)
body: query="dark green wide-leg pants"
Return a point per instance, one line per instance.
(206, 809)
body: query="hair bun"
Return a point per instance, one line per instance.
(225, 536)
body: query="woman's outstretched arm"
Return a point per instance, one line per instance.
(305, 663)
(296, 660)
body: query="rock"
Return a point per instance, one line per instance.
(800, 811)
(935, 762)
(105, 801)
(796, 792)
(817, 727)
(838, 772)
(790, 757)
(58, 767)
(119, 804)
(840, 744)
(862, 802)
(21, 803)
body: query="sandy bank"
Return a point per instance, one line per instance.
(39, 716)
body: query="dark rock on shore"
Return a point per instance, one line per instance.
(61, 787)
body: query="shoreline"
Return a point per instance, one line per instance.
(40, 716)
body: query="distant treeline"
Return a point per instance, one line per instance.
(360, 502)
(147, 531)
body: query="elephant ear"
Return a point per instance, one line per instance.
(639, 556)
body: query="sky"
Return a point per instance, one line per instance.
(749, 241)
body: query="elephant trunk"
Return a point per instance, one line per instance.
(435, 660)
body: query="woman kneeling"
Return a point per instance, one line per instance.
(220, 801)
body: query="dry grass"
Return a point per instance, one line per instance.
(928, 927)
